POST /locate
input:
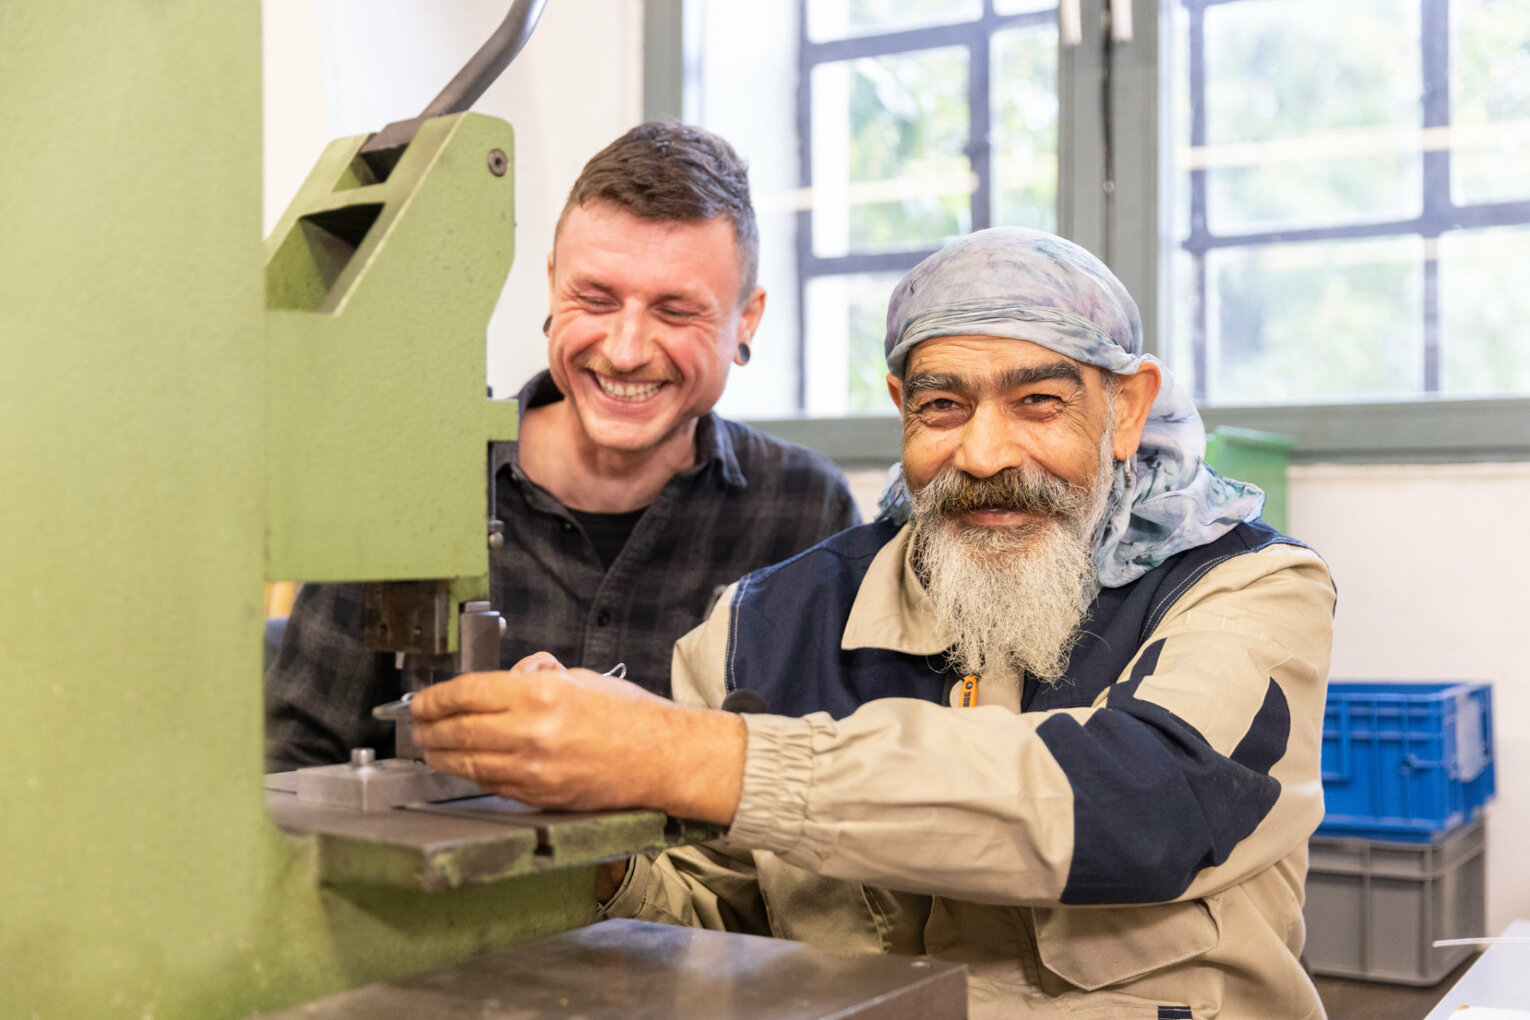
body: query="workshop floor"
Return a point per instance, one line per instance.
(1363, 1000)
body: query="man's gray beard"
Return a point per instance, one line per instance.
(1012, 597)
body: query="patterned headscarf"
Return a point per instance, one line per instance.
(1028, 285)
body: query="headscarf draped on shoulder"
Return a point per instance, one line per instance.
(1028, 285)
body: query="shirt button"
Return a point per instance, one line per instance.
(566, 525)
(603, 619)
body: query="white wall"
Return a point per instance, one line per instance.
(344, 67)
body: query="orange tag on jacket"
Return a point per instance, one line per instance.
(969, 691)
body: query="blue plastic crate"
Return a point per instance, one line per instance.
(1406, 760)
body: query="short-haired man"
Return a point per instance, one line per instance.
(627, 503)
(1063, 726)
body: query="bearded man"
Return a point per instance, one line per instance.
(1056, 714)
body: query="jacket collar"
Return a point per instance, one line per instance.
(890, 610)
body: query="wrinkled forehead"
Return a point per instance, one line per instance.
(973, 362)
(1019, 284)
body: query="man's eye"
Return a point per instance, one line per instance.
(1036, 399)
(938, 405)
(597, 302)
(675, 314)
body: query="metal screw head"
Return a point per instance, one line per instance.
(362, 757)
(498, 162)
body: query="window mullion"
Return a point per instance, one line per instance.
(1135, 204)
(980, 123)
(804, 217)
(1080, 135)
(1434, 36)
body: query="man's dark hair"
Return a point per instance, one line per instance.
(677, 173)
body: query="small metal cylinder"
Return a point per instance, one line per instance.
(480, 629)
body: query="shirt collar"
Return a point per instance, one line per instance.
(714, 441)
(715, 446)
(890, 609)
(539, 390)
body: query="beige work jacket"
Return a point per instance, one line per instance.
(914, 827)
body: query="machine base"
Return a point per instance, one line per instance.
(634, 970)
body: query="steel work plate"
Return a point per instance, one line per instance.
(634, 970)
(380, 785)
(456, 843)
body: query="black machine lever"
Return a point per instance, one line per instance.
(382, 150)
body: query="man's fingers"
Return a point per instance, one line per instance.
(504, 774)
(479, 766)
(473, 692)
(536, 661)
(468, 730)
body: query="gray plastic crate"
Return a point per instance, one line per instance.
(1374, 908)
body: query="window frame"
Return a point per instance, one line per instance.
(976, 37)
(1122, 217)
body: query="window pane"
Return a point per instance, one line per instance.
(1299, 115)
(1485, 309)
(837, 19)
(1490, 100)
(846, 324)
(1312, 113)
(1024, 105)
(890, 169)
(1295, 322)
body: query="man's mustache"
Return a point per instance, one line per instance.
(1025, 490)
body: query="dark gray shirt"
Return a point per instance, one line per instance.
(748, 501)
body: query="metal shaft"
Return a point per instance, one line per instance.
(480, 629)
(491, 59)
(382, 150)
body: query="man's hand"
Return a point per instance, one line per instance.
(573, 739)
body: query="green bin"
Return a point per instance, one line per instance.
(1258, 457)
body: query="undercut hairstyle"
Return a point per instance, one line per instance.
(674, 173)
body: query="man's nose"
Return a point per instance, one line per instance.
(626, 346)
(989, 445)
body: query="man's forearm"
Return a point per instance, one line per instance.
(703, 774)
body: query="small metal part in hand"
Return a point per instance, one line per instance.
(394, 709)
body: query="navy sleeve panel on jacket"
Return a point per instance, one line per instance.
(1153, 802)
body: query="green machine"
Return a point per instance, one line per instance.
(187, 415)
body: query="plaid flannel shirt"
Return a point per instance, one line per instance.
(748, 501)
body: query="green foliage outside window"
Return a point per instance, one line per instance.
(1322, 101)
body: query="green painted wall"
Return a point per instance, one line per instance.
(139, 876)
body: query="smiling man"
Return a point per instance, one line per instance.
(1055, 715)
(628, 505)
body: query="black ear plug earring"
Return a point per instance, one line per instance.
(547, 325)
(743, 353)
